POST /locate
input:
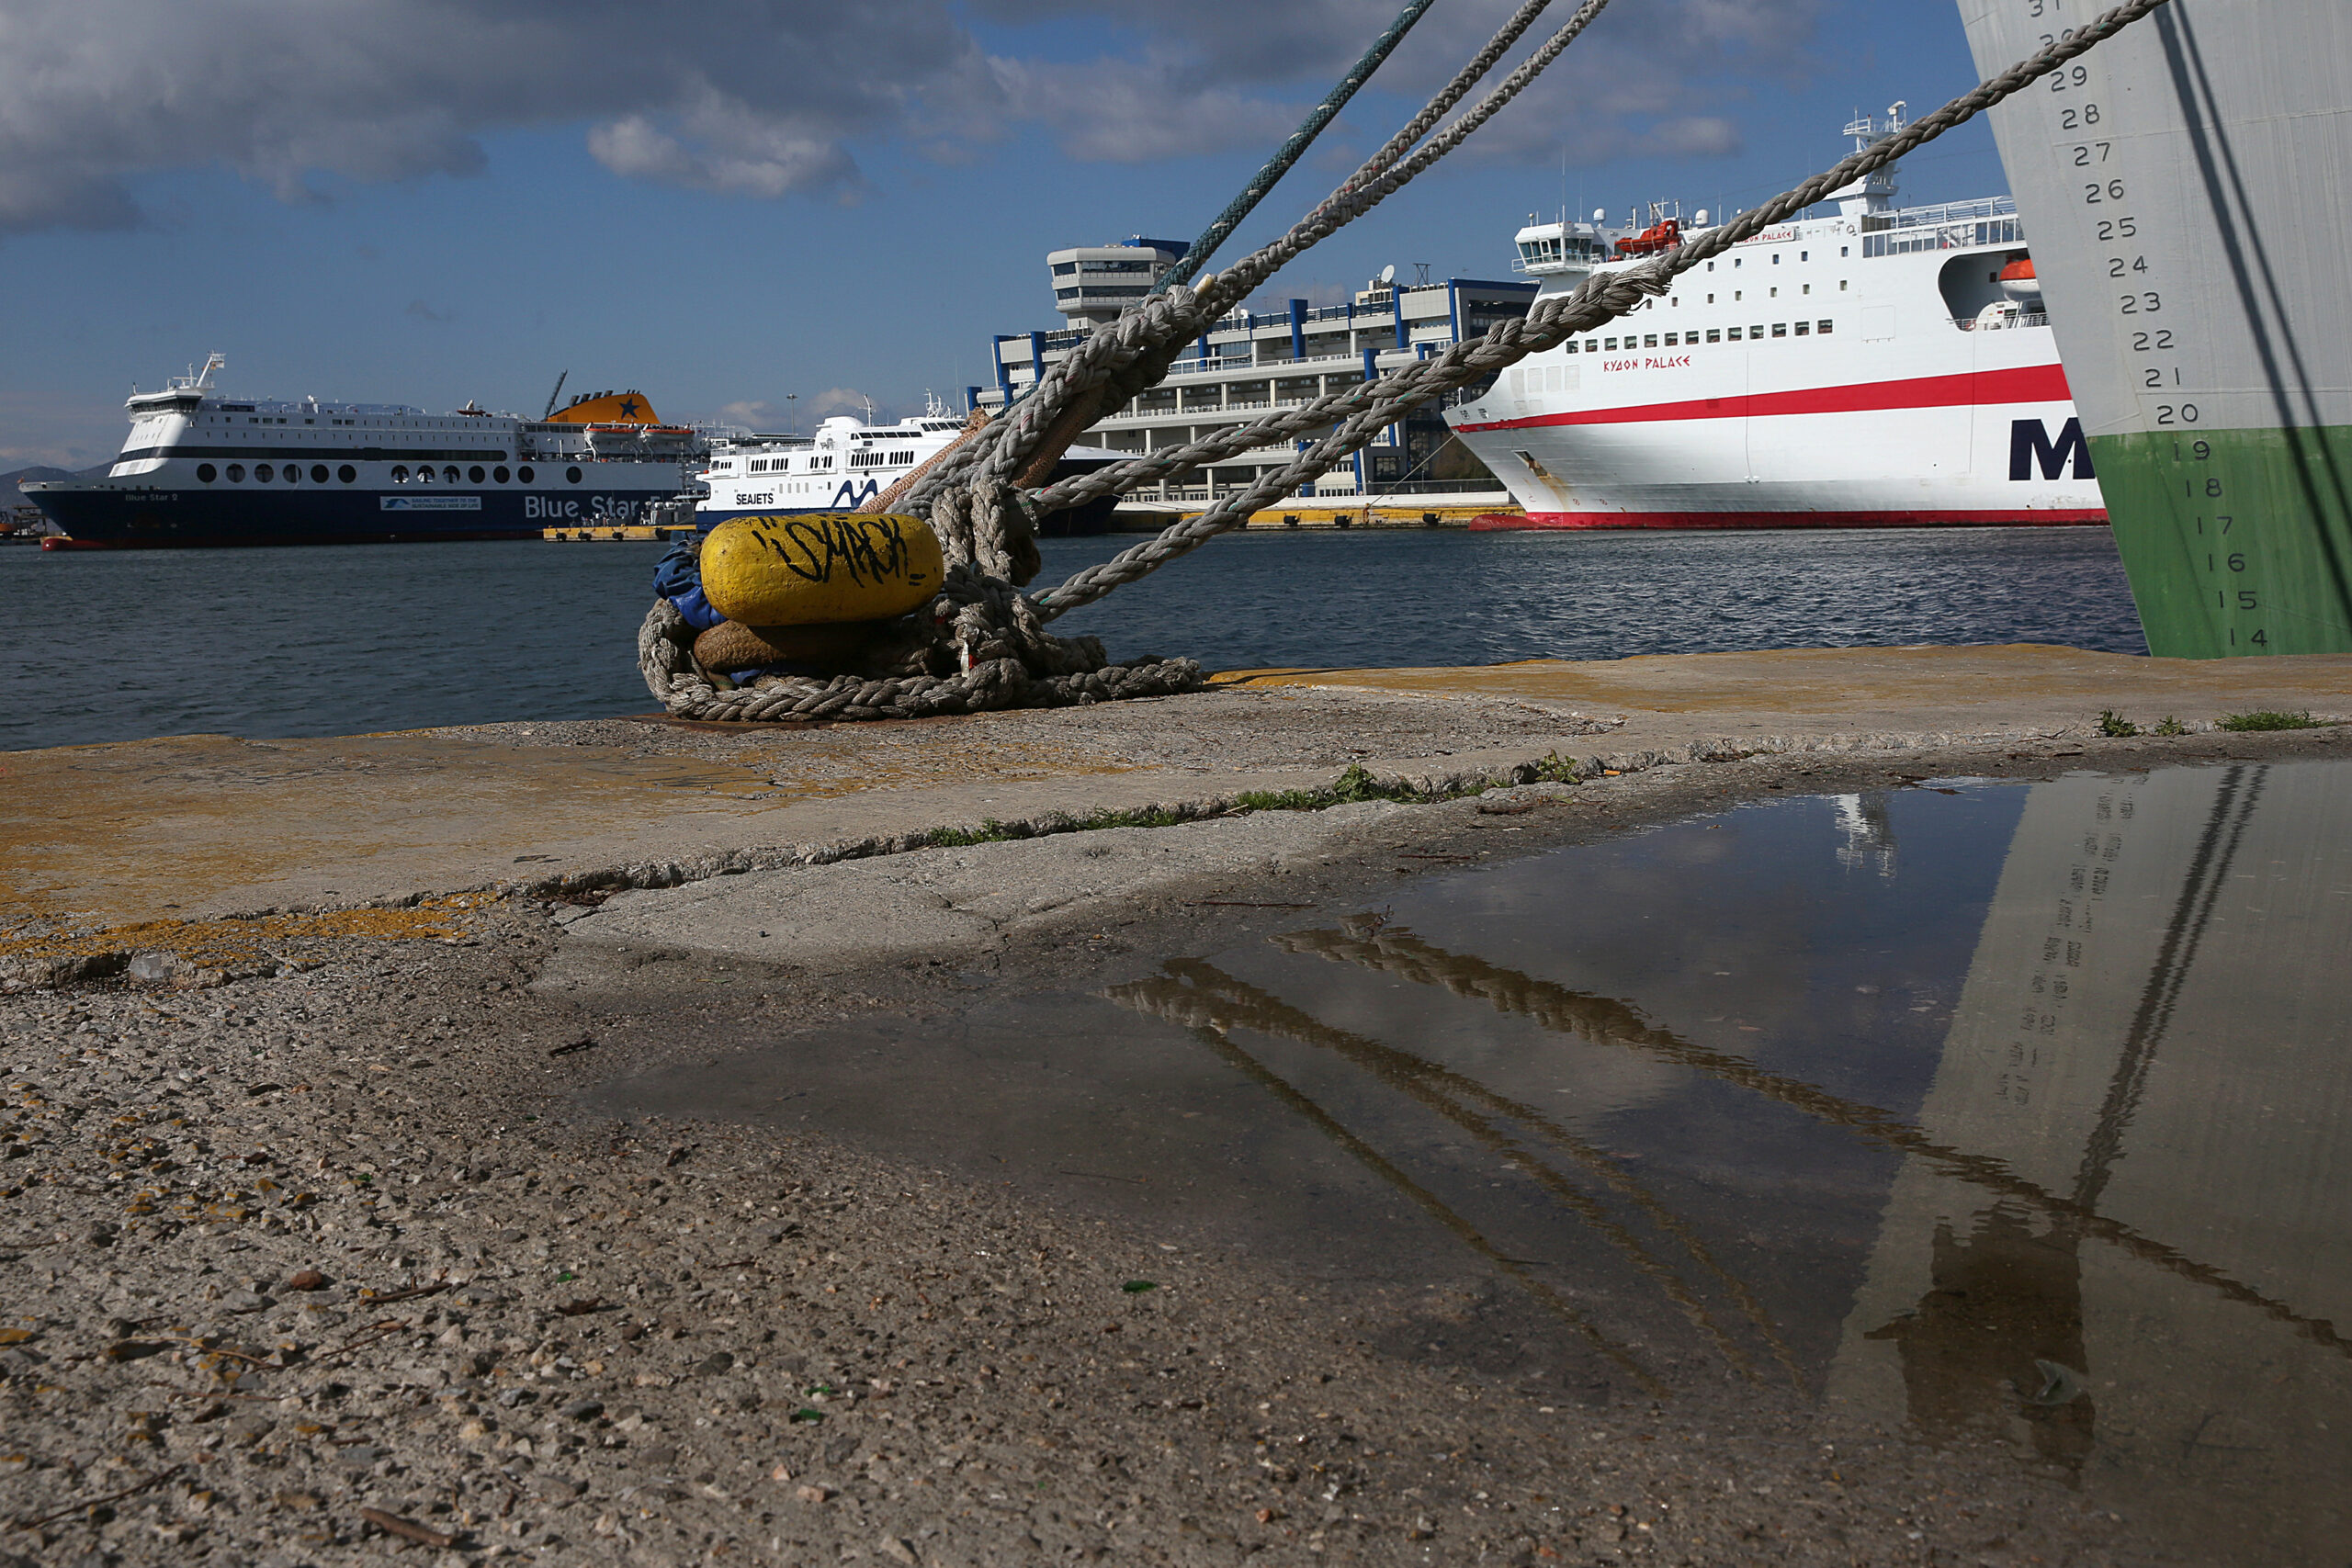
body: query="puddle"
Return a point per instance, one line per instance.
(1996, 1109)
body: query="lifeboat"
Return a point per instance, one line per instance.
(2017, 280)
(1663, 235)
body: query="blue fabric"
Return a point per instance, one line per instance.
(679, 569)
(677, 577)
(697, 609)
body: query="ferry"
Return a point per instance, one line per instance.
(848, 462)
(202, 469)
(1885, 367)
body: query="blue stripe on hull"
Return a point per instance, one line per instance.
(189, 519)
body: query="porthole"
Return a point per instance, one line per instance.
(571, 476)
(399, 473)
(425, 473)
(318, 473)
(207, 473)
(346, 473)
(293, 472)
(236, 473)
(499, 473)
(473, 475)
(263, 472)
(523, 473)
(450, 473)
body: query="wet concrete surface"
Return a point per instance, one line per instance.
(1977, 1109)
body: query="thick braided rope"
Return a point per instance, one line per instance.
(1363, 410)
(1136, 351)
(1074, 673)
(1289, 153)
(1381, 177)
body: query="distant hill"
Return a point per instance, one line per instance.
(42, 471)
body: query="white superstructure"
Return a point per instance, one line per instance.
(1877, 368)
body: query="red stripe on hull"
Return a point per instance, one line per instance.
(1495, 522)
(2028, 384)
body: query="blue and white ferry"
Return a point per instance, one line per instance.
(202, 469)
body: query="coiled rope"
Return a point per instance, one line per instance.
(985, 644)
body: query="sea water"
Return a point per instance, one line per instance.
(118, 645)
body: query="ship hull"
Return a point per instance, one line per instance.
(1880, 399)
(2188, 183)
(103, 516)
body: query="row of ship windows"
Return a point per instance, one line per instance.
(1715, 334)
(292, 474)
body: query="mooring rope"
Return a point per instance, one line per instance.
(1355, 417)
(984, 644)
(1289, 153)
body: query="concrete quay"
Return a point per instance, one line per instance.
(748, 1189)
(188, 827)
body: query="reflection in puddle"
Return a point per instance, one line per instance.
(2006, 1110)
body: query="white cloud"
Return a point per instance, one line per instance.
(765, 98)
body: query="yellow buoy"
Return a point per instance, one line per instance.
(817, 568)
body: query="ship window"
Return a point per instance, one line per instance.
(571, 476)
(399, 473)
(1611, 344)
(425, 473)
(1822, 327)
(293, 472)
(1572, 346)
(346, 473)
(1755, 332)
(207, 473)
(1804, 327)
(1734, 335)
(263, 472)
(1775, 258)
(1804, 255)
(236, 473)
(523, 473)
(1780, 329)
(499, 474)
(450, 473)
(318, 473)
(1715, 334)
(1842, 286)
(473, 475)
(1845, 250)
(1649, 339)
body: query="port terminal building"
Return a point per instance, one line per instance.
(1254, 361)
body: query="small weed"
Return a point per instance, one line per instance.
(2170, 726)
(2265, 718)
(2112, 723)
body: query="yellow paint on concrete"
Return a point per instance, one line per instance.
(219, 943)
(1832, 680)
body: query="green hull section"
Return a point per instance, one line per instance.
(2237, 542)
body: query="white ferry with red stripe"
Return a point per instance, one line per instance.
(1882, 367)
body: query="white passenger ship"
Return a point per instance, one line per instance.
(1883, 367)
(202, 469)
(848, 462)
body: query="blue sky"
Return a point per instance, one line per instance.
(724, 205)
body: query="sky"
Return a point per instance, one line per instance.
(762, 211)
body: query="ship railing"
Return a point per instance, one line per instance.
(1957, 236)
(1980, 207)
(2001, 324)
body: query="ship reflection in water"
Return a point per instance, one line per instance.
(1989, 1109)
(2118, 1225)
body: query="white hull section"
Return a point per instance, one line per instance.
(1809, 379)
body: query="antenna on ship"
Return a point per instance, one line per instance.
(553, 396)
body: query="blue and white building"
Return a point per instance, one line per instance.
(1251, 362)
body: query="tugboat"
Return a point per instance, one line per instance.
(200, 468)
